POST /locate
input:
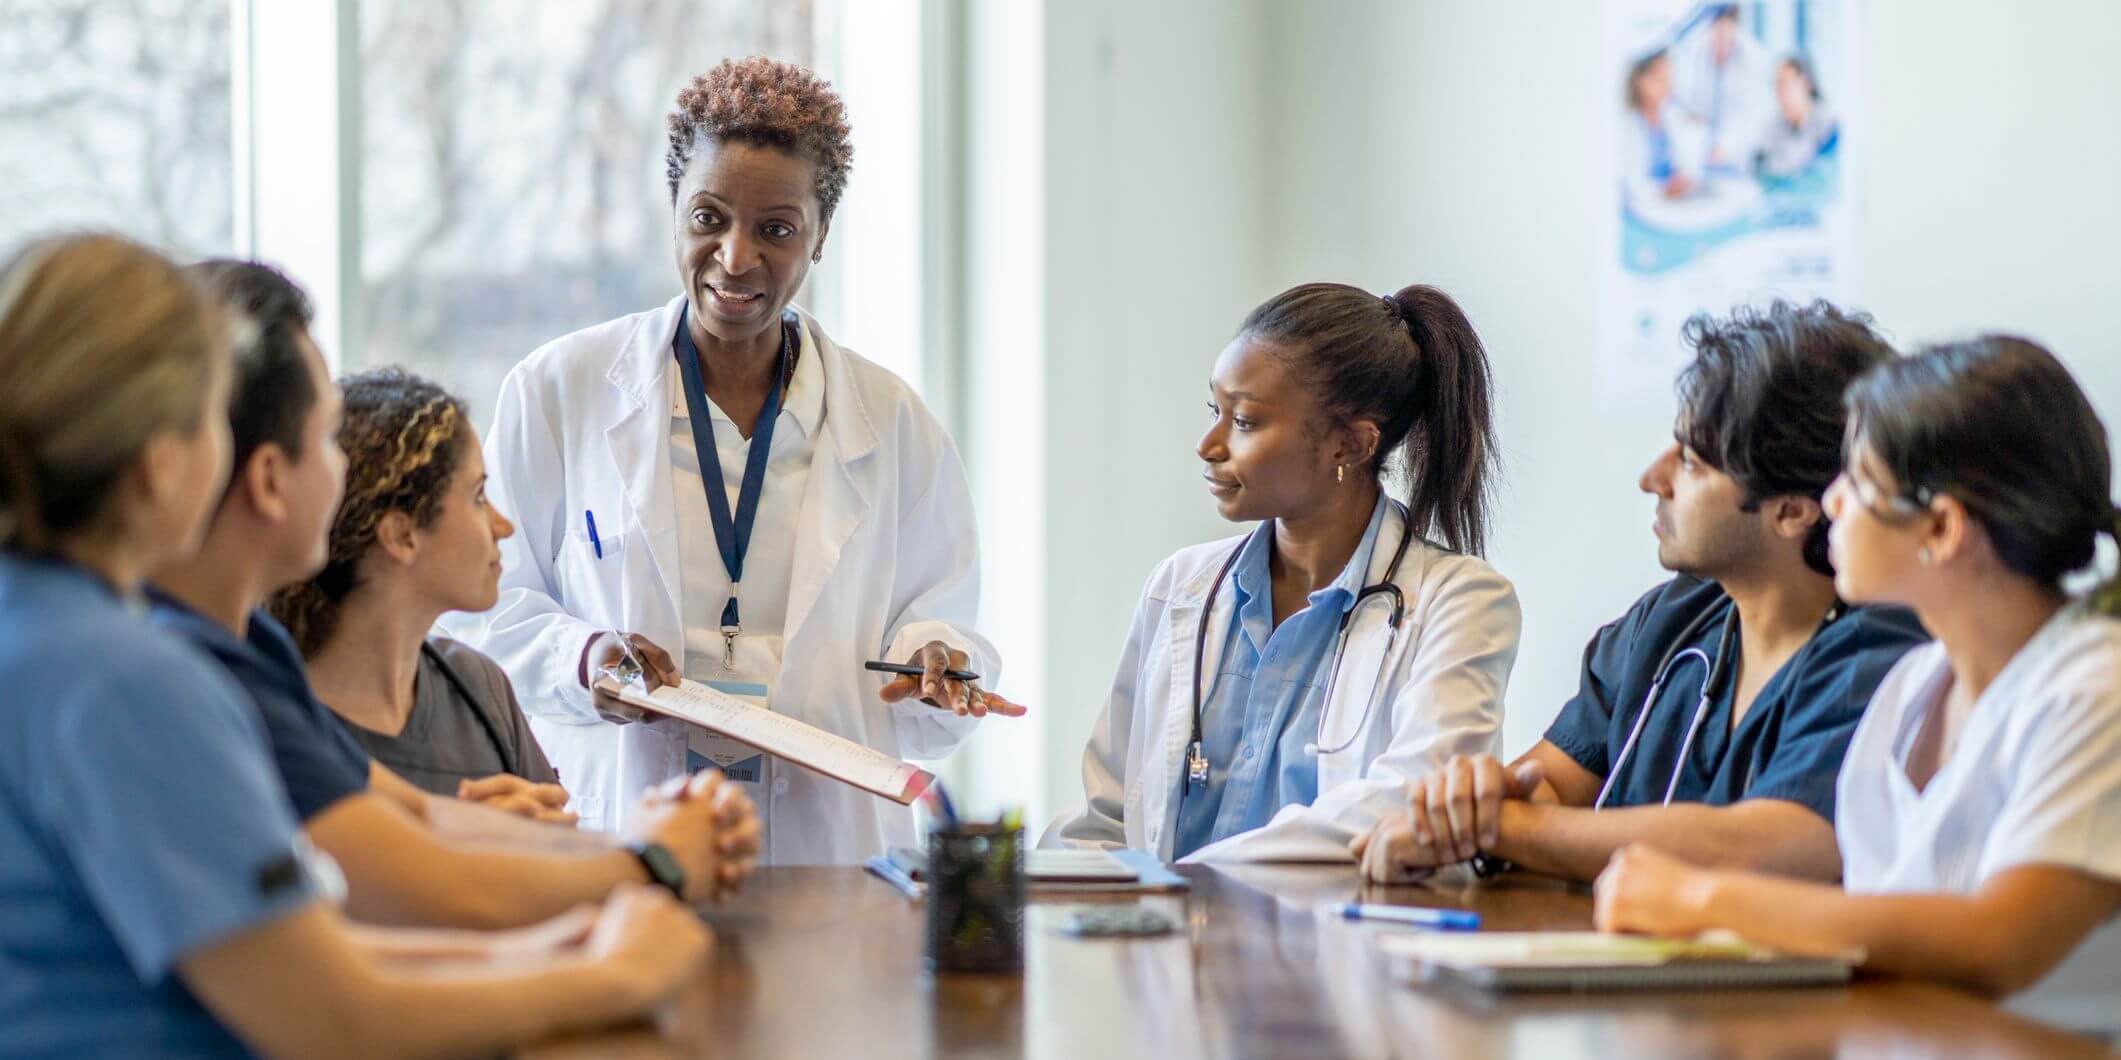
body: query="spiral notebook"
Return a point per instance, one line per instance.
(1585, 961)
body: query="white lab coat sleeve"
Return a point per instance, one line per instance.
(1449, 702)
(534, 639)
(935, 597)
(1100, 820)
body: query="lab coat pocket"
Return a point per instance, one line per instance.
(593, 575)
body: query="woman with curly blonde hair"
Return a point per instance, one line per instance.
(719, 491)
(415, 538)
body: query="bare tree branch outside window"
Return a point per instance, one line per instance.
(115, 114)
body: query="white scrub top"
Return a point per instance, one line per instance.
(2036, 779)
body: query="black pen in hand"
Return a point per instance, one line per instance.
(917, 671)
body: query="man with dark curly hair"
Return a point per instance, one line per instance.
(715, 490)
(1712, 717)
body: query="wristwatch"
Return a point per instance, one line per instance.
(1488, 866)
(661, 865)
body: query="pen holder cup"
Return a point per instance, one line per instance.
(976, 899)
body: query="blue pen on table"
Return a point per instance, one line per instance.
(595, 542)
(1419, 916)
(882, 868)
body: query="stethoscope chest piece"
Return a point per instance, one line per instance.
(1196, 766)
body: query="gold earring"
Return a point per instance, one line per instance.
(1340, 472)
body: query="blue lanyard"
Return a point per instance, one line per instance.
(732, 535)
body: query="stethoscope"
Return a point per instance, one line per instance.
(1386, 591)
(1673, 657)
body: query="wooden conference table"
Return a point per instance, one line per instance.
(826, 962)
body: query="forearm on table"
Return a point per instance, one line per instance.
(303, 985)
(457, 1006)
(505, 889)
(1959, 940)
(472, 823)
(400, 873)
(1759, 835)
(422, 944)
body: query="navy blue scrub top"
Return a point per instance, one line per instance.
(1789, 744)
(317, 758)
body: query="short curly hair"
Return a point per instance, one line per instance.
(405, 439)
(762, 101)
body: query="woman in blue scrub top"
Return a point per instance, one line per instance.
(1220, 738)
(155, 898)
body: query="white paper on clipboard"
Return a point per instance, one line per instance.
(779, 735)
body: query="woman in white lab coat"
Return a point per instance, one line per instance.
(1979, 806)
(1234, 729)
(831, 524)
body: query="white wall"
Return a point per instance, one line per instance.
(1136, 229)
(1154, 237)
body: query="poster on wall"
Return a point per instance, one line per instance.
(1730, 131)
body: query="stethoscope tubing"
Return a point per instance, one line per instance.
(1673, 656)
(1387, 589)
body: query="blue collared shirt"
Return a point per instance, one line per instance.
(1263, 705)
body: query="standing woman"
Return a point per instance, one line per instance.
(1979, 807)
(1280, 689)
(829, 523)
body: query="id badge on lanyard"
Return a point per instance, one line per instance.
(758, 659)
(737, 761)
(745, 666)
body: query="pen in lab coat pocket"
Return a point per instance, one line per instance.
(594, 541)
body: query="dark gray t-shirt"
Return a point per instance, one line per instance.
(459, 733)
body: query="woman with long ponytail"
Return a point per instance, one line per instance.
(1979, 806)
(1280, 688)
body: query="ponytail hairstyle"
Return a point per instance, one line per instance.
(1411, 363)
(405, 438)
(104, 344)
(1998, 423)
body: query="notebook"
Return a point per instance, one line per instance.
(779, 735)
(1584, 961)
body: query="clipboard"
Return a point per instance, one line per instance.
(825, 753)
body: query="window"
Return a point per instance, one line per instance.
(511, 181)
(116, 115)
